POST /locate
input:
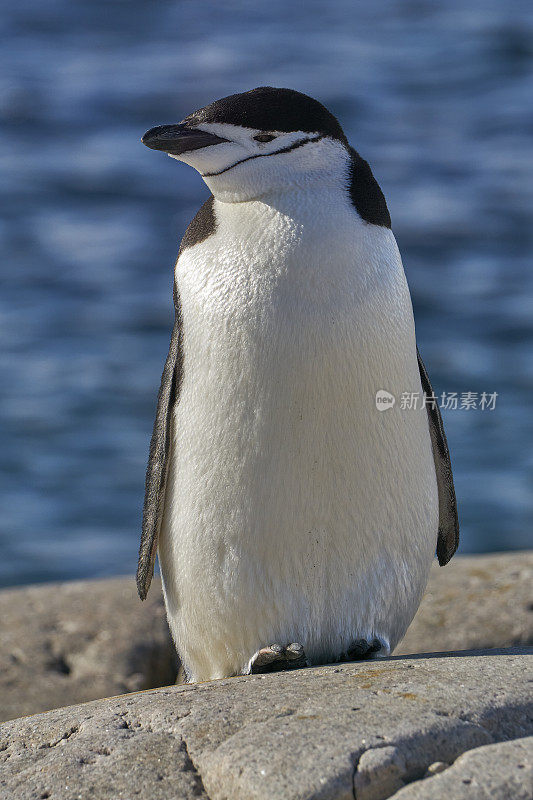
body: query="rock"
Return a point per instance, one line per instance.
(435, 768)
(379, 773)
(361, 729)
(475, 602)
(67, 643)
(497, 771)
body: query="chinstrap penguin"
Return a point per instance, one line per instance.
(295, 523)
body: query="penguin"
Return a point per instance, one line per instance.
(294, 521)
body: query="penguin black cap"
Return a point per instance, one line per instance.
(269, 109)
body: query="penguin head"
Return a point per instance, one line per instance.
(247, 145)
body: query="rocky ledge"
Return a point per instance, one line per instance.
(68, 643)
(443, 726)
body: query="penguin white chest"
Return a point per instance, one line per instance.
(294, 510)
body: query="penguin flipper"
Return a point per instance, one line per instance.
(202, 226)
(156, 472)
(448, 536)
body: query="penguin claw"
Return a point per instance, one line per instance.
(361, 649)
(275, 658)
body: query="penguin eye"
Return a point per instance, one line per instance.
(264, 137)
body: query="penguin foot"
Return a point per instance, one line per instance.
(275, 658)
(361, 649)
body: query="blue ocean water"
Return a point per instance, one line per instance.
(436, 95)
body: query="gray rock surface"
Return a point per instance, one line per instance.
(66, 643)
(358, 730)
(497, 771)
(72, 642)
(475, 602)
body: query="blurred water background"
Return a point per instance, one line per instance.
(436, 95)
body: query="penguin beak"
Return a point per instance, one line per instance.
(178, 139)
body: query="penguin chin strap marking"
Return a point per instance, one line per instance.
(293, 146)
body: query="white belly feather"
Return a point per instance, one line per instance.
(294, 511)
